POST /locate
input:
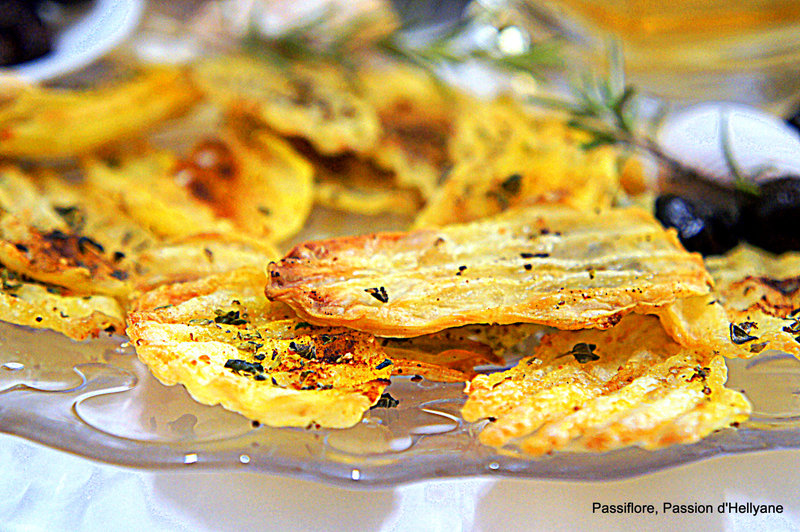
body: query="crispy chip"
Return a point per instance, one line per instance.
(416, 113)
(144, 187)
(261, 187)
(27, 302)
(352, 183)
(596, 390)
(547, 265)
(761, 295)
(39, 123)
(314, 102)
(199, 256)
(228, 345)
(504, 157)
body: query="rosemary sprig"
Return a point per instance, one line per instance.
(447, 45)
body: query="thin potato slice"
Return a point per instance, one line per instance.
(314, 102)
(547, 265)
(504, 157)
(601, 390)
(144, 187)
(192, 258)
(228, 345)
(260, 187)
(351, 183)
(761, 295)
(35, 304)
(39, 123)
(416, 112)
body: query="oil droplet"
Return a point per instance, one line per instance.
(355, 474)
(243, 458)
(494, 466)
(190, 458)
(13, 366)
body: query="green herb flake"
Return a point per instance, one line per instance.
(386, 401)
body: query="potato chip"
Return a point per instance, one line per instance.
(198, 256)
(416, 112)
(313, 102)
(548, 265)
(261, 187)
(228, 345)
(352, 183)
(24, 301)
(761, 295)
(39, 123)
(596, 390)
(504, 157)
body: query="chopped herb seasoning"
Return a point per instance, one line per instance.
(118, 256)
(85, 243)
(757, 348)
(162, 307)
(461, 269)
(793, 328)
(326, 338)
(260, 357)
(119, 274)
(242, 366)
(266, 211)
(307, 351)
(378, 293)
(527, 267)
(386, 401)
(534, 255)
(21, 247)
(302, 325)
(386, 363)
(229, 318)
(739, 333)
(260, 377)
(512, 184)
(584, 352)
(699, 373)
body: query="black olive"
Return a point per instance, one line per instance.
(773, 221)
(700, 227)
(23, 36)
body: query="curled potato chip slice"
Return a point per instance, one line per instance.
(761, 294)
(596, 390)
(548, 265)
(39, 123)
(504, 157)
(24, 301)
(314, 102)
(222, 340)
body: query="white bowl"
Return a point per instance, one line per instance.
(104, 25)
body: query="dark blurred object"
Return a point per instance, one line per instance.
(23, 36)
(794, 120)
(700, 227)
(773, 221)
(421, 13)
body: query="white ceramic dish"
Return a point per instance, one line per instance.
(104, 25)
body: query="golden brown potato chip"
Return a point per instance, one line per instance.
(761, 295)
(352, 183)
(548, 265)
(228, 345)
(65, 259)
(37, 240)
(260, 187)
(416, 112)
(504, 157)
(39, 123)
(24, 301)
(199, 256)
(144, 187)
(314, 102)
(596, 390)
